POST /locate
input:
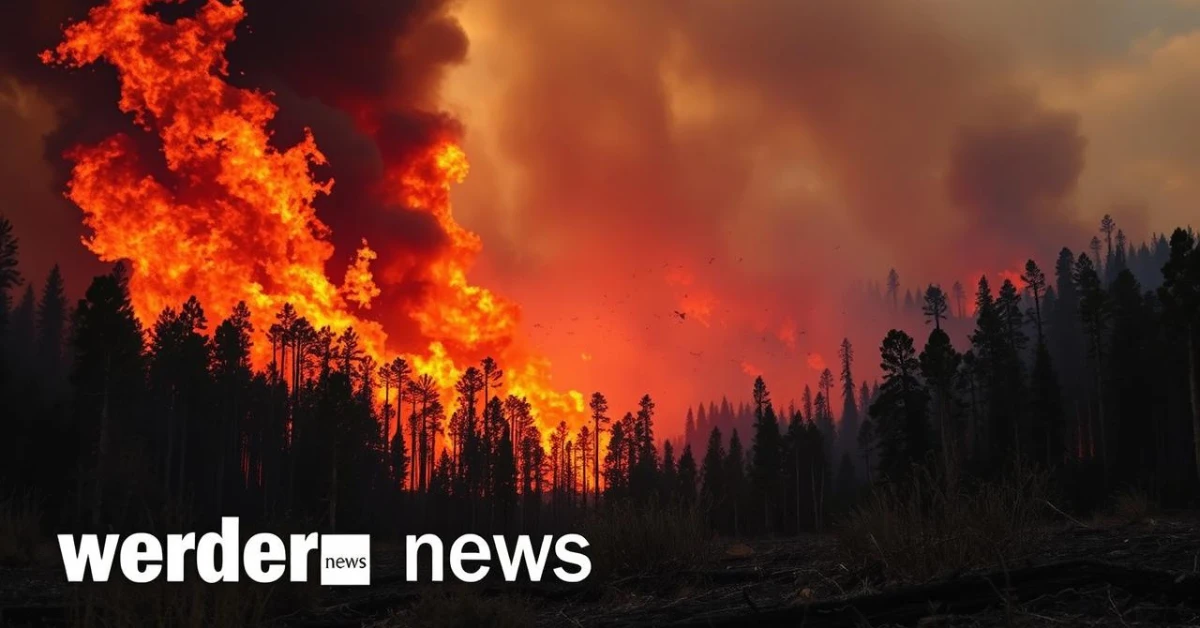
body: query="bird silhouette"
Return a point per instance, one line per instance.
(681, 315)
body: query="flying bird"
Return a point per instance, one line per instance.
(682, 315)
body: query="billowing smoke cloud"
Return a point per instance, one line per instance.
(1013, 179)
(773, 153)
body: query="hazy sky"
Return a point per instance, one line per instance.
(737, 162)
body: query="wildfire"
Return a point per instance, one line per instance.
(232, 217)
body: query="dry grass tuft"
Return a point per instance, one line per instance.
(20, 531)
(927, 526)
(646, 539)
(1132, 505)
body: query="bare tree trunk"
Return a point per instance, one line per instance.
(426, 450)
(798, 489)
(170, 455)
(1100, 404)
(812, 481)
(183, 443)
(1192, 347)
(596, 465)
(387, 422)
(101, 448)
(333, 489)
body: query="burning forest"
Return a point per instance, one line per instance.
(231, 218)
(769, 308)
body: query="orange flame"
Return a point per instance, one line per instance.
(233, 219)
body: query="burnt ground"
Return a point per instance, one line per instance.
(1093, 574)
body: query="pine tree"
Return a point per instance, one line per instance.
(899, 412)
(990, 368)
(668, 473)
(643, 465)
(107, 377)
(1047, 413)
(735, 479)
(824, 419)
(959, 297)
(848, 430)
(1180, 294)
(939, 366)
(10, 276)
(1094, 314)
(893, 288)
(712, 473)
(686, 490)
(614, 461)
(765, 451)
(689, 428)
(599, 407)
(1035, 281)
(935, 307)
(233, 378)
(504, 474)
(51, 330)
(1046, 429)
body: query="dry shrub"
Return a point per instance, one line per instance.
(462, 608)
(1132, 505)
(20, 531)
(929, 526)
(627, 538)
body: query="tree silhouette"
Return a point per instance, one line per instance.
(108, 381)
(1107, 226)
(1035, 282)
(899, 412)
(1097, 261)
(935, 307)
(735, 479)
(893, 288)
(687, 476)
(10, 276)
(51, 331)
(939, 365)
(1094, 313)
(765, 450)
(713, 477)
(849, 426)
(1180, 294)
(233, 381)
(823, 406)
(599, 408)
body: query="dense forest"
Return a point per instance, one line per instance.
(1089, 372)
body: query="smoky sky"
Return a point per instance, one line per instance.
(746, 162)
